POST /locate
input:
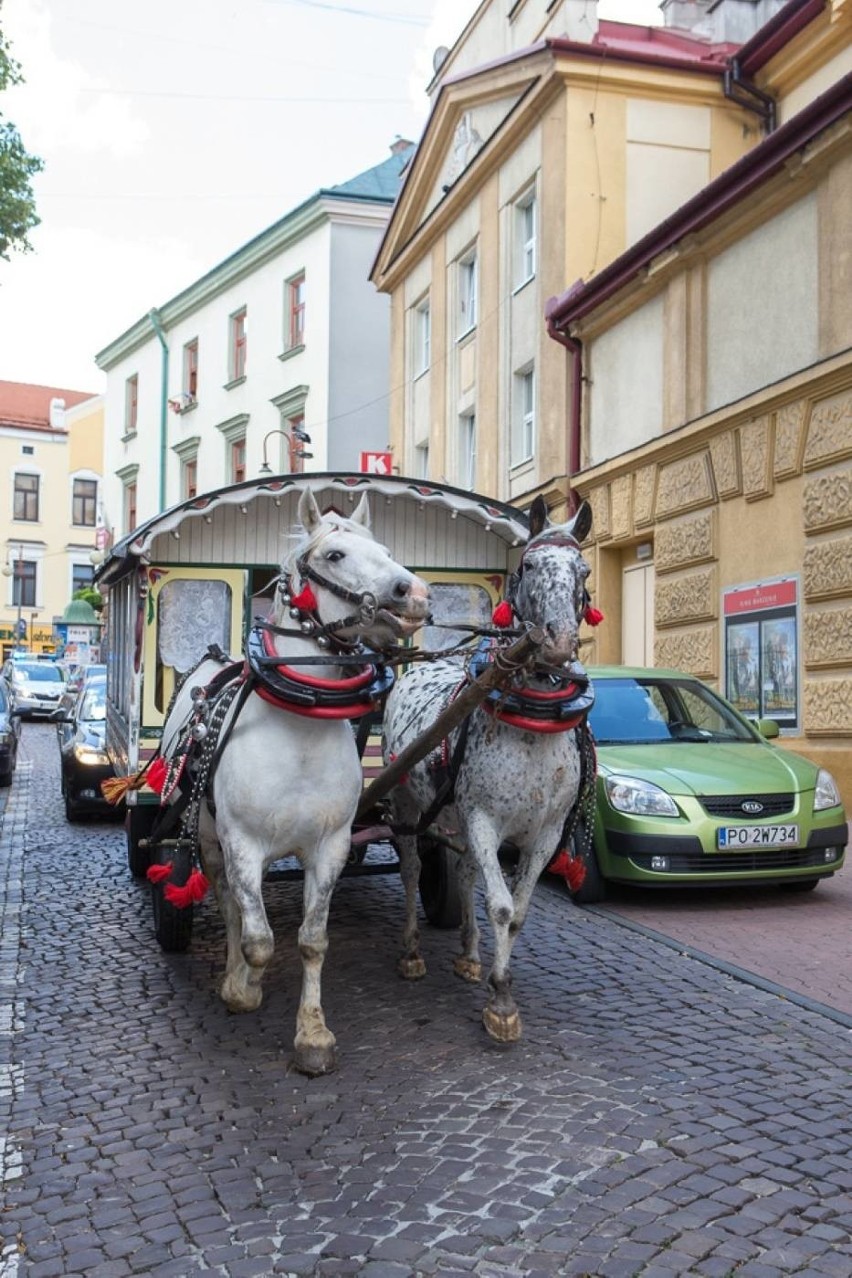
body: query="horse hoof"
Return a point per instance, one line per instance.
(242, 999)
(501, 1027)
(411, 969)
(467, 969)
(314, 1061)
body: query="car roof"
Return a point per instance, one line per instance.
(638, 672)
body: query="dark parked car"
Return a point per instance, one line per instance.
(83, 759)
(10, 735)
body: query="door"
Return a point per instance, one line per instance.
(637, 615)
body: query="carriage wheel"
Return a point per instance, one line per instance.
(172, 926)
(593, 888)
(439, 883)
(138, 824)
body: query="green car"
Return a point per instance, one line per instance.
(690, 792)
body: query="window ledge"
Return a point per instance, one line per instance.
(422, 373)
(188, 408)
(519, 468)
(519, 288)
(128, 435)
(291, 351)
(468, 332)
(235, 381)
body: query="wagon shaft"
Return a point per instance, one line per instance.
(494, 676)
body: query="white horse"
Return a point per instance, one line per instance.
(519, 771)
(288, 778)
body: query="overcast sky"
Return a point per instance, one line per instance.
(175, 131)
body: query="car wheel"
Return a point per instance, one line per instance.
(440, 895)
(799, 885)
(6, 778)
(593, 888)
(72, 812)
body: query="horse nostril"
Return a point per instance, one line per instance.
(400, 590)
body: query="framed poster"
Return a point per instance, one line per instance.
(762, 650)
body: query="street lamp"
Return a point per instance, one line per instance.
(294, 439)
(17, 571)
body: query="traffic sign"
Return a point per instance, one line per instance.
(376, 463)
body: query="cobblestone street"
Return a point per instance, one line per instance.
(659, 1117)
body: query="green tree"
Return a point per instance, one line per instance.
(91, 596)
(17, 168)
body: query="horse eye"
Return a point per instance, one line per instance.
(334, 556)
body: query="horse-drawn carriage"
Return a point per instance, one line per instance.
(295, 572)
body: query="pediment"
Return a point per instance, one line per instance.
(468, 117)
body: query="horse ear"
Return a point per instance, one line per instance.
(538, 516)
(581, 525)
(310, 515)
(361, 513)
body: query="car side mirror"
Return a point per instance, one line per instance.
(58, 716)
(767, 728)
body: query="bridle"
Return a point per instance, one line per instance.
(557, 538)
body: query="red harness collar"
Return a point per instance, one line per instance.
(355, 706)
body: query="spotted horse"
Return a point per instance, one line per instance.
(512, 772)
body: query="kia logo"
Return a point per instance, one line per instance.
(751, 806)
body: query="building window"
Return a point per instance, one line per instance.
(238, 461)
(467, 451)
(468, 287)
(525, 239)
(237, 352)
(24, 583)
(523, 417)
(421, 461)
(422, 338)
(131, 404)
(189, 478)
(84, 503)
(295, 317)
(26, 498)
(130, 507)
(190, 370)
(295, 428)
(82, 576)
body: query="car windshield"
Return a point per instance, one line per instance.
(94, 702)
(38, 673)
(646, 711)
(4, 701)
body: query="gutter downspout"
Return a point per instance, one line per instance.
(746, 94)
(575, 350)
(154, 317)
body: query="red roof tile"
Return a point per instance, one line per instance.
(22, 404)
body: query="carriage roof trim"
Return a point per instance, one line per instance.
(497, 518)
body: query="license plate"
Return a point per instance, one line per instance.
(758, 836)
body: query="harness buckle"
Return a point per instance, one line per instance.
(368, 607)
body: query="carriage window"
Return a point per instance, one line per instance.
(470, 605)
(190, 616)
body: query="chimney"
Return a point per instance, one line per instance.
(400, 145)
(720, 21)
(581, 20)
(57, 414)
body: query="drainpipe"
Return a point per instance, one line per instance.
(575, 350)
(154, 317)
(746, 94)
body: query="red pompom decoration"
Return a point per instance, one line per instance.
(592, 616)
(156, 775)
(305, 600)
(192, 891)
(157, 873)
(502, 615)
(572, 869)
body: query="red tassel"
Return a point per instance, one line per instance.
(156, 775)
(572, 869)
(195, 889)
(502, 615)
(157, 873)
(592, 616)
(305, 600)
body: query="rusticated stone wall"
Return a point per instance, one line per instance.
(794, 459)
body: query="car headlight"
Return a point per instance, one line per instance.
(639, 798)
(826, 794)
(90, 757)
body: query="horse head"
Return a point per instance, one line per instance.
(356, 589)
(549, 588)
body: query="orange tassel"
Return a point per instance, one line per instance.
(195, 889)
(115, 788)
(157, 873)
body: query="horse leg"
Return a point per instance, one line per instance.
(411, 966)
(501, 1017)
(314, 1044)
(467, 965)
(250, 940)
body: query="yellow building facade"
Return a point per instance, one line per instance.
(51, 450)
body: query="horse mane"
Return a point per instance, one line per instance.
(305, 542)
